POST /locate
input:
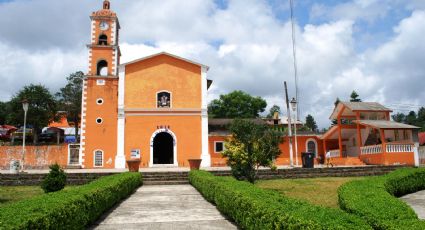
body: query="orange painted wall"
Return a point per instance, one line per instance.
(36, 157)
(144, 79)
(139, 130)
(101, 53)
(101, 136)
(217, 159)
(389, 159)
(282, 159)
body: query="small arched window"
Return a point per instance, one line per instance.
(311, 147)
(102, 68)
(103, 40)
(98, 158)
(163, 100)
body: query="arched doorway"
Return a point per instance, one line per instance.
(163, 148)
(311, 146)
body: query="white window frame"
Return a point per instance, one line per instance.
(215, 146)
(171, 99)
(94, 158)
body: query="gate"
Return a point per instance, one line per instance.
(74, 154)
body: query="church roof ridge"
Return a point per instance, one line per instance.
(168, 54)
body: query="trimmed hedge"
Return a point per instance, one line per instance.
(373, 199)
(72, 208)
(256, 208)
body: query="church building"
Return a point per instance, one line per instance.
(153, 108)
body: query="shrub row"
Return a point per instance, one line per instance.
(255, 208)
(373, 199)
(72, 208)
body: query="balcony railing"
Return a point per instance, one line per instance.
(371, 149)
(389, 148)
(334, 153)
(399, 148)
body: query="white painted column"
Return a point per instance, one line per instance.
(416, 153)
(120, 157)
(205, 156)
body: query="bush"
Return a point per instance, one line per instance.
(372, 199)
(73, 208)
(255, 208)
(55, 179)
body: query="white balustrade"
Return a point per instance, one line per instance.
(334, 153)
(399, 148)
(371, 149)
(390, 148)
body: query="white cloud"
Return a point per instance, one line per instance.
(245, 45)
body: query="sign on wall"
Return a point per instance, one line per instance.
(135, 153)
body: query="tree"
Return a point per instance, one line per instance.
(411, 118)
(354, 97)
(251, 146)
(55, 180)
(310, 123)
(3, 112)
(69, 98)
(273, 110)
(41, 110)
(237, 104)
(399, 117)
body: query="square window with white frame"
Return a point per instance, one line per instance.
(218, 146)
(98, 158)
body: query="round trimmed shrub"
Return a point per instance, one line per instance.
(55, 180)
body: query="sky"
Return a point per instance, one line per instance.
(375, 47)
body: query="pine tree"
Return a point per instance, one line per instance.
(354, 97)
(310, 123)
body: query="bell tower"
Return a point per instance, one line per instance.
(100, 91)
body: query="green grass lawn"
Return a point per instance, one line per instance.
(319, 191)
(10, 194)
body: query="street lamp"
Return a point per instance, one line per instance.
(294, 109)
(25, 106)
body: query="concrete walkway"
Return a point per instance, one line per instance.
(165, 207)
(417, 202)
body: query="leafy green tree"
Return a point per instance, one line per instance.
(399, 117)
(354, 97)
(251, 146)
(310, 123)
(4, 107)
(236, 104)
(69, 98)
(273, 110)
(41, 110)
(411, 118)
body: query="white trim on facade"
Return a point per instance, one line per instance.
(99, 101)
(120, 157)
(315, 144)
(162, 114)
(205, 156)
(83, 123)
(175, 163)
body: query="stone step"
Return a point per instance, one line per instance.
(166, 179)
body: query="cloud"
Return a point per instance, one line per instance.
(247, 46)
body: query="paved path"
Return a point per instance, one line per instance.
(165, 207)
(417, 202)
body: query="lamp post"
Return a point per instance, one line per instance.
(25, 106)
(294, 109)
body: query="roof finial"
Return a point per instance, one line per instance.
(106, 5)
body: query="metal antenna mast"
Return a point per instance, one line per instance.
(294, 53)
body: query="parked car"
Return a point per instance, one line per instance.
(6, 131)
(18, 134)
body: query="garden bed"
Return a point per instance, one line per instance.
(72, 208)
(255, 208)
(375, 199)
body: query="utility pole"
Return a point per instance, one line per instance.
(291, 153)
